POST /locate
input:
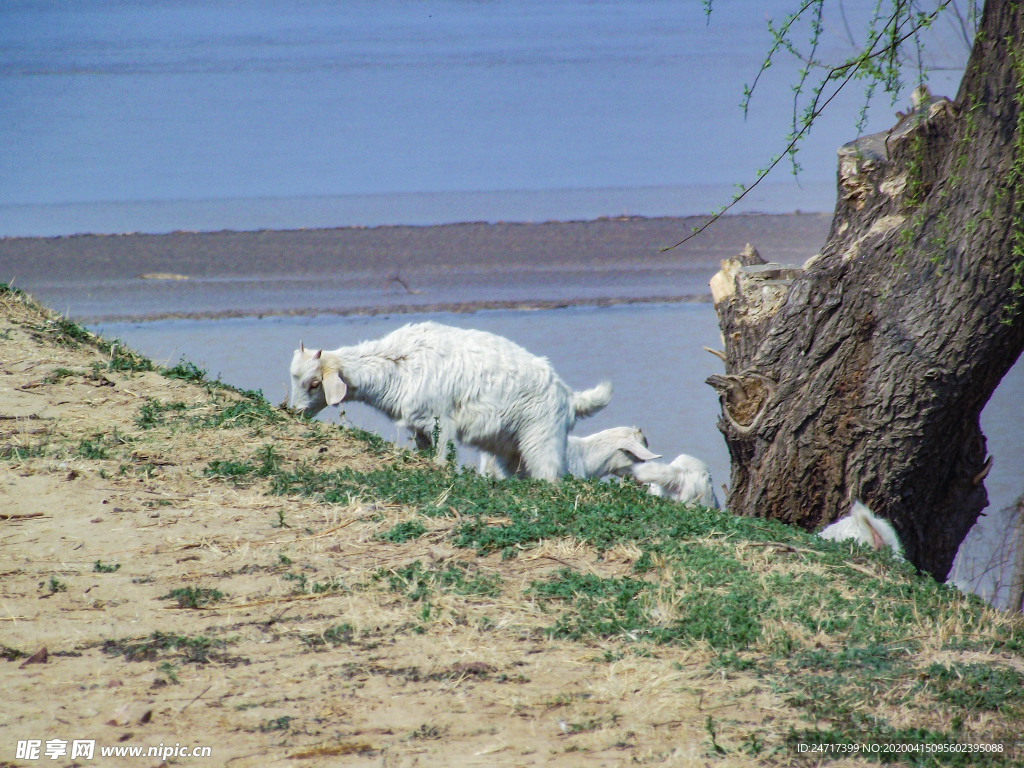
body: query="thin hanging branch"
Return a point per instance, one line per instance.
(892, 34)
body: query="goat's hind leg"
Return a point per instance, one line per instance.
(543, 454)
(496, 467)
(423, 441)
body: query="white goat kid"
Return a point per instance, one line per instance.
(484, 390)
(863, 526)
(611, 452)
(686, 479)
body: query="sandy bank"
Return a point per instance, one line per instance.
(353, 269)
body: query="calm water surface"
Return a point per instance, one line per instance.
(120, 116)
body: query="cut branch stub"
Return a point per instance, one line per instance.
(747, 293)
(744, 398)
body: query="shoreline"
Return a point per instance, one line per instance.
(703, 218)
(467, 307)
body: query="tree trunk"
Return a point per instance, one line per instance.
(1015, 602)
(863, 375)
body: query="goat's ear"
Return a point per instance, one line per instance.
(316, 355)
(877, 542)
(334, 388)
(639, 450)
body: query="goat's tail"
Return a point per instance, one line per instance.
(590, 401)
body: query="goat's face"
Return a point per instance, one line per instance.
(307, 382)
(622, 449)
(631, 450)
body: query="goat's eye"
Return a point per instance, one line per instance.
(314, 384)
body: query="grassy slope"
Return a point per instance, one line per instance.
(806, 641)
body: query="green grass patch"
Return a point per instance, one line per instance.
(194, 597)
(404, 531)
(601, 607)
(252, 410)
(7, 289)
(6, 652)
(282, 723)
(54, 585)
(59, 373)
(268, 464)
(429, 732)
(374, 443)
(122, 358)
(22, 452)
(153, 413)
(418, 583)
(66, 333)
(714, 598)
(229, 468)
(92, 449)
(185, 371)
(977, 687)
(194, 650)
(621, 606)
(341, 634)
(601, 514)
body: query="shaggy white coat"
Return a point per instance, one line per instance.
(863, 526)
(485, 391)
(611, 452)
(686, 479)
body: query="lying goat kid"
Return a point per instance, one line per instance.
(861, 525)
(686, 479)
(612, 452)
(484, 390)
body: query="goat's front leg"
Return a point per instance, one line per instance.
(501, 467)
(491, 467)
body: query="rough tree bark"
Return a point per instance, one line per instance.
(1015, 601)
(863, 374)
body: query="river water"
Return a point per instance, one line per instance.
(120, 116)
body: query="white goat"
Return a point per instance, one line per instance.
(862, 526)
(484, 390)
(611, 452)
(686, 479)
